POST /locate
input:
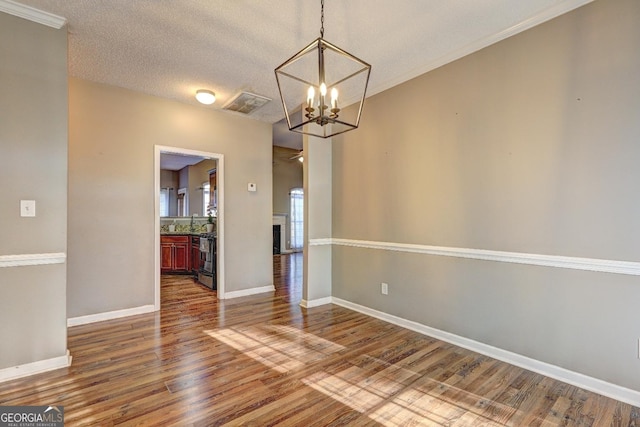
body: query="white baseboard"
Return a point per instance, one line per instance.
(33, 368)
(110, 315)
(247, 292)
(315, 302)
(595, 385)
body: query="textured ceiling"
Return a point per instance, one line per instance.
(171, 48)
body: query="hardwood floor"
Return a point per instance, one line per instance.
(263, 360)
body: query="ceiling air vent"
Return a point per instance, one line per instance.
(246, 103)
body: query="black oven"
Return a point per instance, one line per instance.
(207, 273)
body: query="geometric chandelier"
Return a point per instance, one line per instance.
(317, 83)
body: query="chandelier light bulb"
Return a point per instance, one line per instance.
(311, 93)
(334, 98)
(205, 97)
(323, 89)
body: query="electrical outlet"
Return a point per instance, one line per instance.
(384, 288)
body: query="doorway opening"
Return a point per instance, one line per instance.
(297, 219)
(219, 158)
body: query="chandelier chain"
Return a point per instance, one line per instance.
(318, 110)
(321, 19)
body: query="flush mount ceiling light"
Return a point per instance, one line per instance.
(313, 80)
(205, 97)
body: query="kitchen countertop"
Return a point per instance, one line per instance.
(181, 233)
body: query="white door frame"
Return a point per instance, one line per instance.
(158, 149)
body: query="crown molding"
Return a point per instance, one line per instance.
(32, 14)
(562, 7)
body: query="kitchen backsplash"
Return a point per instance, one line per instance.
(184, 225)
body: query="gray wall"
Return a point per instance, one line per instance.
(530, 145)
(169, 178)
(317, 175)
(287, 174)
(183, 183)
(198, 174)
(111, 193)
(33, 166)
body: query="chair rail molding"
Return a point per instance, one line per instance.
(575, 263)
(32, 259)
(32, 14)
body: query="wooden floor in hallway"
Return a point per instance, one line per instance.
(263, 360)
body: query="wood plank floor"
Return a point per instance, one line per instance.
(263, 360)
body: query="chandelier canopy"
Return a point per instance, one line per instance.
(317, 83)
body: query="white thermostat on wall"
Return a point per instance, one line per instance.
(27, 208)
(252, 187)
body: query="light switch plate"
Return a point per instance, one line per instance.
(27, 208)
(252, 187)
